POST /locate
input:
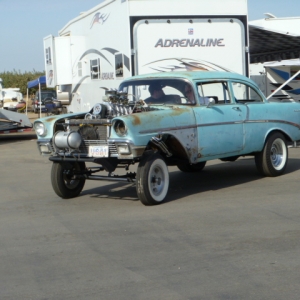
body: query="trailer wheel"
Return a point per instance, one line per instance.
(62, 179)
(188, 168)
(152, 182)
(272, 160)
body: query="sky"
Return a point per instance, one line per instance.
(25, 23)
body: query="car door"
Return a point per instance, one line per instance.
(220, 124)
(260, 115)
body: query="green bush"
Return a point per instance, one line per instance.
(16, 79)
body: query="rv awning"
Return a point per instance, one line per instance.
(269, 45)
(36, 82)
(290, 62)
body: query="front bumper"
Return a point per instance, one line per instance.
(115, 146)
(45, 146)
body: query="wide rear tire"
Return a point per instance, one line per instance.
(62, 179)
(152, 183)
(272, 160)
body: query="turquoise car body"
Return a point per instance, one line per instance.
(205, 132)
(209, 132)
(199, 116)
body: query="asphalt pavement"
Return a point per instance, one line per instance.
(225, 233)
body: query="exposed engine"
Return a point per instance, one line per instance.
(95, 128)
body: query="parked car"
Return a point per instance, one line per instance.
(10, 104)
(45, 95)
(228, 118)
(12, 98)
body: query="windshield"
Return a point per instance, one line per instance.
(48, 95)
(162, 91)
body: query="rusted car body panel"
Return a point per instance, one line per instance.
(227, 117)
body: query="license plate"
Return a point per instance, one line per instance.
(98, 151)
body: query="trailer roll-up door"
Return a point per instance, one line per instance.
(163, 44)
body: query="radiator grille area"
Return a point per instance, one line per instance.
(84, 147)
(94, 134)
(102, 132)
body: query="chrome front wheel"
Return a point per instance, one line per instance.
(152, 180)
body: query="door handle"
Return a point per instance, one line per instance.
(236, 108)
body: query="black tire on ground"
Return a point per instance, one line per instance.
(63, 184)
(272, 160)
(152, 182)
(184, 167)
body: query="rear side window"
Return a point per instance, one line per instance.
(244, 93)
(215, 90)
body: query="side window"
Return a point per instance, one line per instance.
(119, 65)
(79, 67)
(48, 56)
(215, 90)
(95, 68)
(244, 93)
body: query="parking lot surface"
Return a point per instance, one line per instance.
(224, 233)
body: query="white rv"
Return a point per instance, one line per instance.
(276, 74)
(1, 94)
(9, 97)
(121, 38)
(11, 121)
(275, 62)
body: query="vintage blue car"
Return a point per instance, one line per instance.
(168, 119)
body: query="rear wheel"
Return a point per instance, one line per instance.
(63, 181)
(184, 167)
(152, 180)
(272, 160)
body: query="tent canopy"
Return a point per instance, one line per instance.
(36, 82)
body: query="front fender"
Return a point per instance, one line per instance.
(177, 121)
(50, 121)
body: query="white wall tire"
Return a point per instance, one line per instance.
(152, 180)
(272, 160)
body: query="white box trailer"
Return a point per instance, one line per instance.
(121, 38)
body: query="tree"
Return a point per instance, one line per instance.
(16, 79)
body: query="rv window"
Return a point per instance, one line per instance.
(48, 56)
(244, 93)
(79, 66)
(293, 72)
(119, 65)
(95, 68)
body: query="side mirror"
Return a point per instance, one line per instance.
(211, 102)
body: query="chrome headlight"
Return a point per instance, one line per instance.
(40, 129)
(120, 128)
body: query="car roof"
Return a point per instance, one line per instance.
(192, 76)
